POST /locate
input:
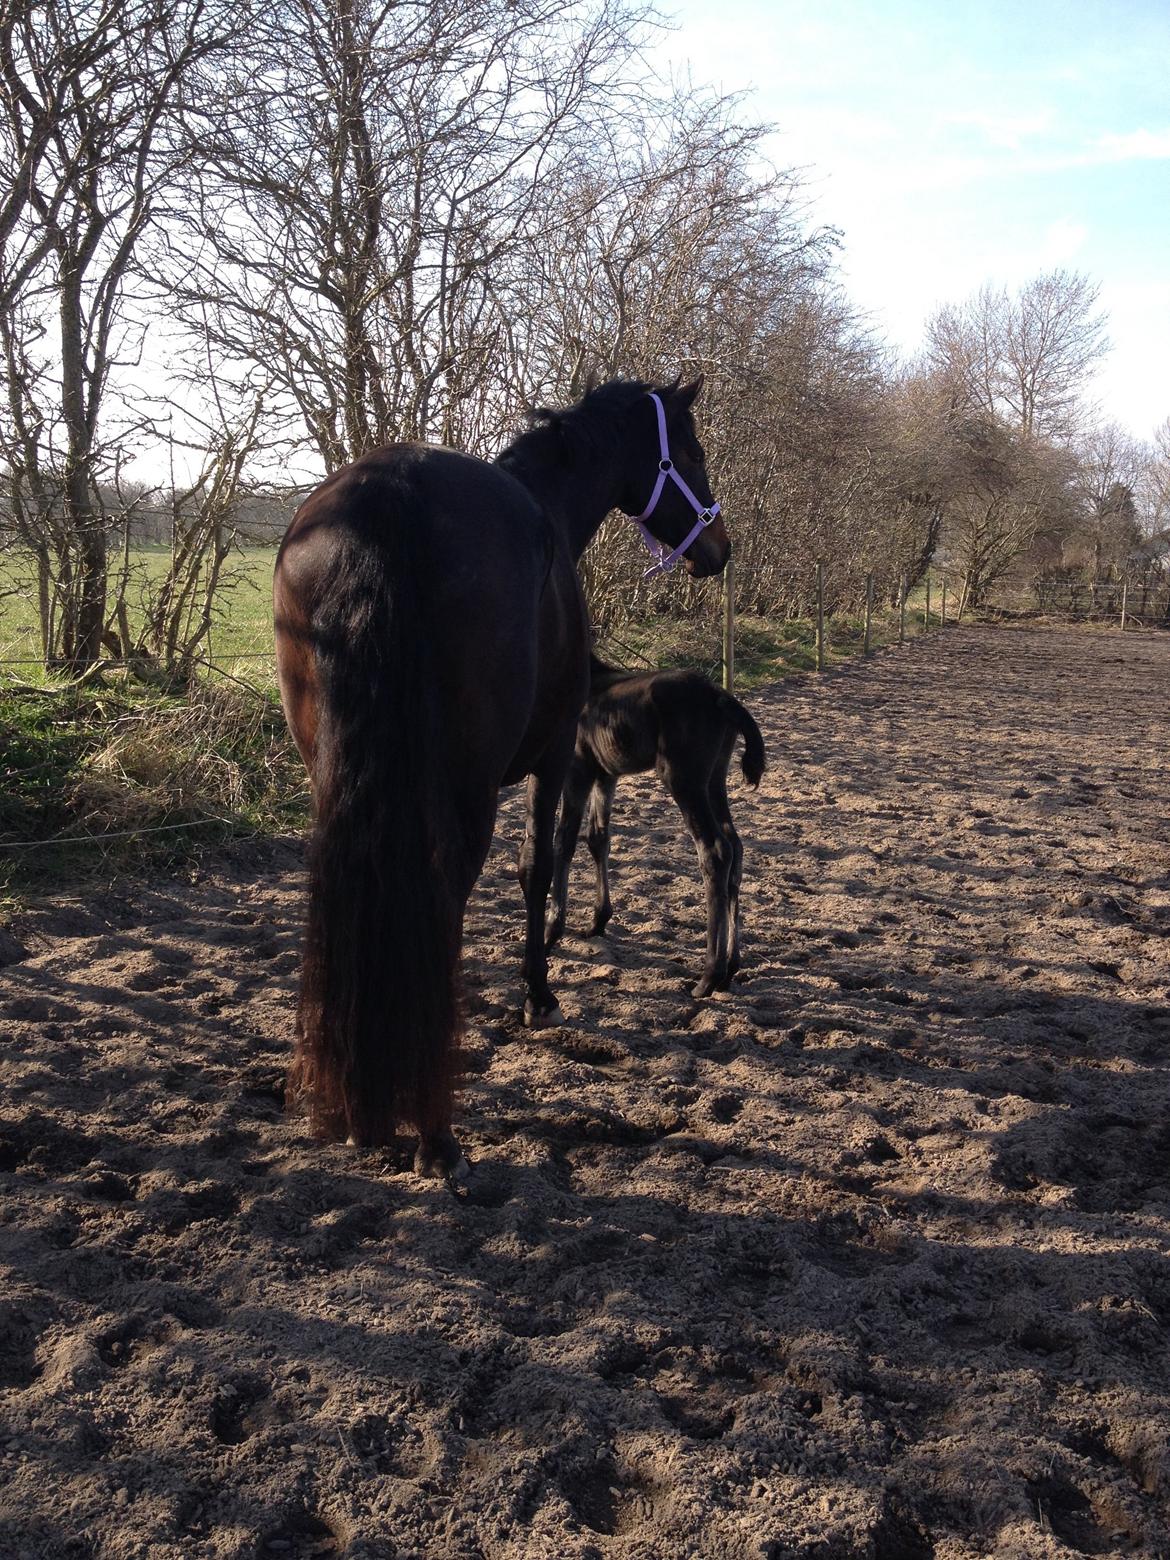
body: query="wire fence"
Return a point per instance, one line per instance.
(835, 635)
(1126, 603)
(937, 602)
(1143, 601)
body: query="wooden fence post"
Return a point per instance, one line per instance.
(820, 617)
(926, 616)
(1124, 599)
(902, 588)
(942, 617)
(868, 609)
(729, 626)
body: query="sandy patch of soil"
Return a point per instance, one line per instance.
(866, 1259)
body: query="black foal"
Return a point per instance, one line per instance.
(684, 728)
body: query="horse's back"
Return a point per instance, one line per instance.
(494, 595)
(475, 525)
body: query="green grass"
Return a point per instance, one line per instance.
(767, 649)
(241, 634)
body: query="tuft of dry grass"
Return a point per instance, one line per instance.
(136, 778)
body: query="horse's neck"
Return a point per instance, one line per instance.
(576, 498)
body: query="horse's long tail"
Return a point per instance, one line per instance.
(753, 760)
(379, 1003)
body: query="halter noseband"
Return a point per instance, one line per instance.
(665, 560)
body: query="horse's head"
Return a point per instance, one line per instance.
(668, 492)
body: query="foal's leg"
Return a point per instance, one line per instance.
(578, 784)
(719, 806)
(536, 866)
(600, 808)
(715, 856)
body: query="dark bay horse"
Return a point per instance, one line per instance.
(432, 646)
(683, 727)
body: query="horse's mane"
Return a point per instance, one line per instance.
(580, 432)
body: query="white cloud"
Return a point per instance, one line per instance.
(1059, 243)
(1135, 146)
(1005, 130)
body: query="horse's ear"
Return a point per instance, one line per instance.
(680, 397)
(687, 395)
(548, 417)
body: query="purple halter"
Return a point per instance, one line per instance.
(665, 560)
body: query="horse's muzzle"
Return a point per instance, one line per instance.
(706, 559)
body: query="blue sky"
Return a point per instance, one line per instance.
(960, 143)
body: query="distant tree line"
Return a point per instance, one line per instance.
(250, 242)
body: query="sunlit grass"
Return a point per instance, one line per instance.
(240, 640)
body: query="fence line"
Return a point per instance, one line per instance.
(1103, 593)
(116, 834)
(1091, 600)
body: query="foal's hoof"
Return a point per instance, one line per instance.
(544, 1018)
(440, 1158)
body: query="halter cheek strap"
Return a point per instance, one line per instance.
(665, 560)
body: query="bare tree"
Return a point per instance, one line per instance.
(367, 171)
(92, 91)
(1103, 534)
(1013, 488)
(1026, 357)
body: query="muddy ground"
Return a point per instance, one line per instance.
(867, 1258)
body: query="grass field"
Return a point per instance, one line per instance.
(242, 631)
(766, 648)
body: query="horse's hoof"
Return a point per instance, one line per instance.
(547, 1018)
(441, 1158)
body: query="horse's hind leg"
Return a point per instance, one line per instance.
(600, 809)
(536, 865)
(439, 1154)
(578, 784)
(722, 811)
(715, 857)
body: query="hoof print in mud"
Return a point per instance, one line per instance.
(299, 1537)
(241, 1408)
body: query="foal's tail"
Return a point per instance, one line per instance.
(753, 759)
(379, 1005)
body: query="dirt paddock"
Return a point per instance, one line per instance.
(866, 1259)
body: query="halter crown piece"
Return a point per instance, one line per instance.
(664, 559)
